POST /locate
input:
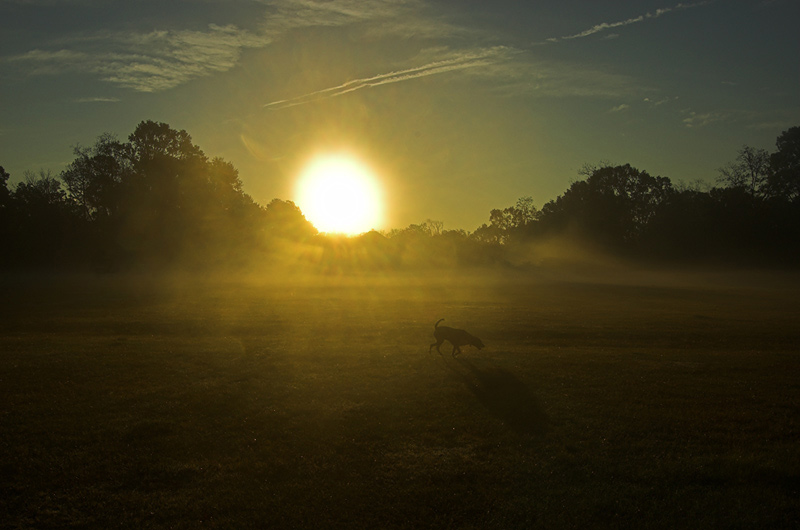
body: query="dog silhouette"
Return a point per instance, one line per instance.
(456, 337)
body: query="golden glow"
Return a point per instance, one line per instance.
(339, 195)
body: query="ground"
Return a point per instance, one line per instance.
(648, 400)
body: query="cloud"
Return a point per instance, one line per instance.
(147, 62)
(291, 14)
(772, 125)
(659, 102)
(620, 108)
(97, 100)
(460, 61)
(157, 60)
(603, 26)
(153, 61)
(526, 75)
(695, 120)
(164, 59)
(503, 70)
(402, 19)
(43, 62)
(42, 56)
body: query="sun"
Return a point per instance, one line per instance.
(339, 195)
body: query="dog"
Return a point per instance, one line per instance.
(456, 337)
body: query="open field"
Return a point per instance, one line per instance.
(651, 403)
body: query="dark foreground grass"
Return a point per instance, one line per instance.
(152, 404)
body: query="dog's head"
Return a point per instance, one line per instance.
(475, 341)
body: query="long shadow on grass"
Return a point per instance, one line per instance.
(504, 396)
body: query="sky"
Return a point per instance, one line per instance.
(457, 107)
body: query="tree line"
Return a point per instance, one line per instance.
(157, 200)
(752, 216)
(153, 200)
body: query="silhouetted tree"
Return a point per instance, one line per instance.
(784, 178)
(7, 231)
(504, 224)
(749, 171)
(45, 221)
(95, 177)
(433, 227)
(153, 140)
(613, 206)
(5, 194)
(157, 198)
(284, 219)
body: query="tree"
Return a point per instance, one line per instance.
(285, 220)
(749, 171)
(157, 198)
(95, 177)
(433, 227)
(5, 194)
(784, 177)
(613, 206)
(7, 231)
(46, 220)
(152, 140)
(505, 223)
(40, 188)
(524, 212)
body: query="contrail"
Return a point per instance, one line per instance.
(610, 25)
(437, 67)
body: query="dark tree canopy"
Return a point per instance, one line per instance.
(613, 205)
(153, 199)
(43, 222)
(508, 221)
(5, 194)
(285, 220)
(749, 171)
(784, 180)
(152, 140)
(94, 179)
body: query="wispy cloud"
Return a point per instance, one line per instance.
(774, 120)
(97, 100)
(459, 62)
(604, 26)
(620, 108)
(157, 60)
(526, 75)
(661, 101)
(163, 59)
(772, 125)
(697, 120)
(146, 62)
(285, 15)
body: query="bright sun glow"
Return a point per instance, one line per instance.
(339, 195)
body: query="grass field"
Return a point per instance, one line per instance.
(654, 402)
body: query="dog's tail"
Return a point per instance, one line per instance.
(437, 323)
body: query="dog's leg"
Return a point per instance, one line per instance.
(438, 344)
(456, 350)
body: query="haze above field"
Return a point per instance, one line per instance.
(458, 107)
